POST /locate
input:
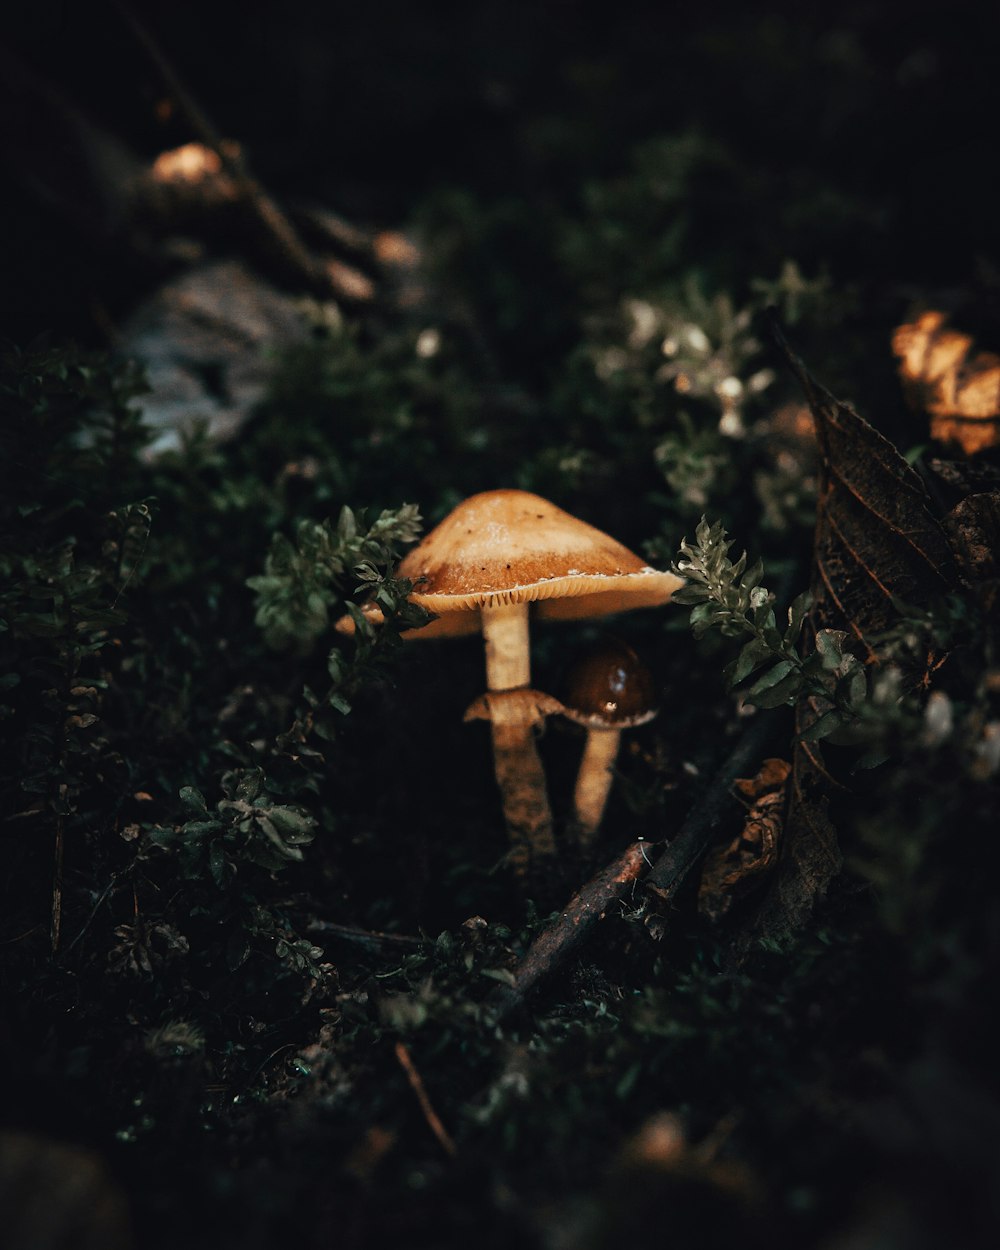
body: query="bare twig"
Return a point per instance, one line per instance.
(568, 930)
(57, 884)
(430, 1115)
(715, 806)
(116, 877)
(368, 939)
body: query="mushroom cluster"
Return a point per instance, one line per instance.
(498, 556)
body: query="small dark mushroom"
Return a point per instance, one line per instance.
(609, 690)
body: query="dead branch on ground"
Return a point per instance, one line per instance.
(430, 1115)
(568, 930)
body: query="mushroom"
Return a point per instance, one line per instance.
(609, 690)
(497, 553)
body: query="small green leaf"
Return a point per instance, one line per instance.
(503, 975)
(797, 614)
(295, 827)
(249, 784)
(269, 831)
(217, 863)
(194, 799)
(691, 593)
(347, 526)
(781, 682)
(754, 574)
(750, 658)
(827, 724)
(237, 950)
(830, 648)
(196, 830)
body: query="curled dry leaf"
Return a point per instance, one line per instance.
(958, 388)
(736, 869)
(972, 524)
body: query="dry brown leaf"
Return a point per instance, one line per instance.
(734, 870)
(877, 540)
(772, 776)
(958, 389)
(972, 524)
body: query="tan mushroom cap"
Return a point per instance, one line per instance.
(510, 546)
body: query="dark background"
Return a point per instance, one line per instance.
(535, 151)
(868, 128)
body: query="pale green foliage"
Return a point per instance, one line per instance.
(709, 347)
(729, 597)
(792, 293)
(786, 492)
(303, 581)
(695, 462)
(246, 826)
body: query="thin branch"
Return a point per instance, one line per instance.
(115, 878)
(57, 884)
(568, 930)
(368, 939)
(713, 808)
(430, 1115)
(280, 230)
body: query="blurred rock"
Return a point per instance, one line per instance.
(207, 340)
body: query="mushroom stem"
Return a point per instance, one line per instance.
(516, 761)
(508, 653)
(593, 781)
(526, 812)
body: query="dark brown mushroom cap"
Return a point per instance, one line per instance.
(610, 688)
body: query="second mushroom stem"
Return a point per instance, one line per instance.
(593, 781)
(518, 767)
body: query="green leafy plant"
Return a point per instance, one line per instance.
(696, 462)
(244, 827)
(728, 596)
(305, 580)
(71, 549)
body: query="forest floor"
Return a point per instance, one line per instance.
(270, 972)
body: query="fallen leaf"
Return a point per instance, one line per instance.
(740, 867)
(959, 389)
(877, 537)
(772, 776)
(973, 526)
(970, 496)
(877, 541)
